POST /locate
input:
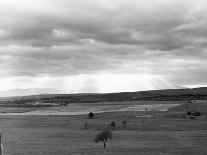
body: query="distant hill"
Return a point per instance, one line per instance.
(152, 95)
(27, 92)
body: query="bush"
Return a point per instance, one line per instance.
(91, 115)
(193, 113)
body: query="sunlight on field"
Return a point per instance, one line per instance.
(78, 109)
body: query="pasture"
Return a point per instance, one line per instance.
(148, 132)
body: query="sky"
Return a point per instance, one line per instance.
(100, 46)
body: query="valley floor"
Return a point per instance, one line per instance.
(146, 133)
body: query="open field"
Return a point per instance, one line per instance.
(85, 108)
(146, 133)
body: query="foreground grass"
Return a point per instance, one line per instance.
(163, 133)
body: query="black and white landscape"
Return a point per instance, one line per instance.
(105, 77)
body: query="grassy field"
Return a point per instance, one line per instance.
(146, 133)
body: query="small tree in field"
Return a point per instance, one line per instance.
(124, 123)
(91, 115)
(113, 125)
(103, 136)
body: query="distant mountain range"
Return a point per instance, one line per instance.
(29, 91)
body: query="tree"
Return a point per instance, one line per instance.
(196, 113)
(91, 115)
(124, 123)
(113, 125)
(103, 136)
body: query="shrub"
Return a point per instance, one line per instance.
(91, 115)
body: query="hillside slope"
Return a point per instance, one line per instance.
(153, 95)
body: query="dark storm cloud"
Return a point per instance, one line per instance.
(55, 38)
(118, 24)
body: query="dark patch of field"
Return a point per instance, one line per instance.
(163, 133)
(4, 110)
(190, 107)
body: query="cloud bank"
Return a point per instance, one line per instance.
(68, 39)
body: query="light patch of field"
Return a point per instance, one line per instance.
(82, 108)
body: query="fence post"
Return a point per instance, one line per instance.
(1, 147)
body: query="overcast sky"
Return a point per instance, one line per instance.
(103, 45)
